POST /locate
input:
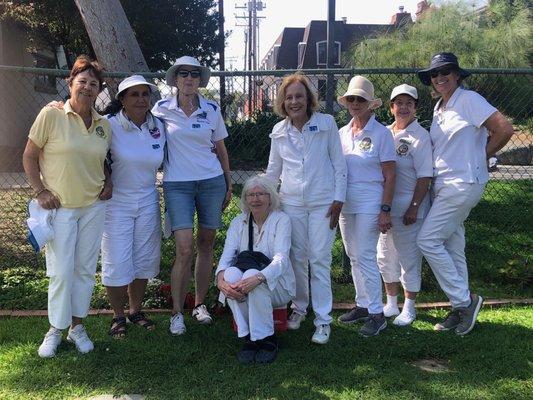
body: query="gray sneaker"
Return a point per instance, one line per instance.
(373, 325)
(356, 314)
(468, 315)
(450, 322)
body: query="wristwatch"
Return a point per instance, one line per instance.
(385, 208)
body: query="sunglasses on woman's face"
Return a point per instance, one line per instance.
(359, 99)
(184, 73)
(443, 72)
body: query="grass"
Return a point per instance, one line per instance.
(493, 362)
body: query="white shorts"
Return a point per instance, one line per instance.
(131, 244)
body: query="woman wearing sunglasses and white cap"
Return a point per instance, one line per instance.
(459, 132)
(196, 178)
(399, 258)
(368, 147)
(131, 244)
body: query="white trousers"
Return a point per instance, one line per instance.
(131, 244)
(254, 315)
(399, 258)
(442, 238)
(360, 236)
(71, 262)
(310, 254)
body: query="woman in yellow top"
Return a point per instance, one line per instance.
(64, 161)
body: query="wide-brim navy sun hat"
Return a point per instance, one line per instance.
(440, 60)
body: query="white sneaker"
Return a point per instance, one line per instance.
(405, 318)
(177, 324)
(202, 315)
(321, 335)
(79, 337)
(390, 311)
(48, 347)
(294, 321)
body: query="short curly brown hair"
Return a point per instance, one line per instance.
(279, 104)
(84, 63)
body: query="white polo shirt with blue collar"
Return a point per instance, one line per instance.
(191, 140)
(459, 138)
(310, 163)
(135, 155)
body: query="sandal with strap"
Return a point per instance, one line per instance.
(139, 318)
(118, 328)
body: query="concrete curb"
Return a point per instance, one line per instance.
(494, 303)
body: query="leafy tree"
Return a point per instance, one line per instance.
(165, 29)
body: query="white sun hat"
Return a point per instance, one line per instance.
(133, 80)
(205, 72)
(404, 89)
(362, 87)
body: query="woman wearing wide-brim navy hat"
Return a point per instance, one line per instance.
(440, 60)
(462, 120)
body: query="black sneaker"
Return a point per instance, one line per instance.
(248, 351)
(468, 315)
(356, 314)
(450, 322)
(373, 325)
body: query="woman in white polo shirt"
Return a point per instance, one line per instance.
(131, 243)
(459, 135)
(196, 179)
(368, 147)
(399, 258)
(306, 154)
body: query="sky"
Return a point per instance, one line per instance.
(298, 13)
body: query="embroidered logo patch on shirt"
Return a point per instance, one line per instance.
(313, 128)
(202, 115)
(365, 144)
(155, 146)
(196, 126)
(402, 149)
(100, 132)
(155, 133)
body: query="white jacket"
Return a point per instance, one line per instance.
(275, 243)
(318, 175)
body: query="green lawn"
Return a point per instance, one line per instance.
(495, 361)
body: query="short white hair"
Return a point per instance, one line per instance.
(267, 184)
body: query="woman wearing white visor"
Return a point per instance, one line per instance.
(131, 244)
(399, 258)
(368, 147)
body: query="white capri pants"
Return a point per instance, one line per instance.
(360, 236)
(254, 315)
(71, 262)
(131, 243)
(442, 237)
(399, 258)
(311, 242)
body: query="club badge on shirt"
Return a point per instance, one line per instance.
(155, 133)
(313, 128)
(100, 132)
(365, 144)
(403, 147)
(202, 116)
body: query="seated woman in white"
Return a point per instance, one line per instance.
(253, 294)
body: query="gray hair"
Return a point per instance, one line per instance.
(267, 184)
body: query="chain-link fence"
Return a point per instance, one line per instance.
(499, 229)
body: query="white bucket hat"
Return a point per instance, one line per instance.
(133, 80)
(205, 72)
(404, 89)
(362, 87)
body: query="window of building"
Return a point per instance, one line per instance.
(321, 53)
(301, 53)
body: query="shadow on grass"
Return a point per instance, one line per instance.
(491, 362)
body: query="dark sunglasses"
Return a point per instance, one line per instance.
(184, 73)
(443, 72)
(359, 99)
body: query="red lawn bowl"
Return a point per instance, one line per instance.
(280, 320)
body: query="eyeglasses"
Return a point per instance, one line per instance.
(359, 99)
(258, 194)
(185, 73)
(443, 72)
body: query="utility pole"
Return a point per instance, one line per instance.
(330, 82)
(221, 54)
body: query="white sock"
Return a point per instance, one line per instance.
(392, 301)
(409, 305)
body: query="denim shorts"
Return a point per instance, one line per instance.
(206, 197)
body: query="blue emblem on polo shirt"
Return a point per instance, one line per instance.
(202, 115)
(196, 126)
(313, 128)
(155, 146)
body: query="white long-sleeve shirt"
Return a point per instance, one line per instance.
(310, 163)
(274, 241)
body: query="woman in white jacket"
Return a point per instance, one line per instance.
(306, 154)
(252, 294)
